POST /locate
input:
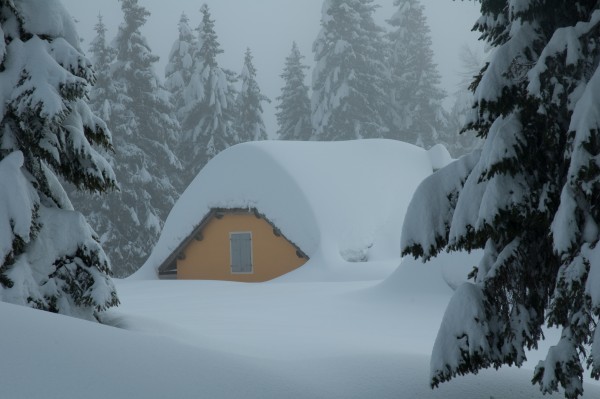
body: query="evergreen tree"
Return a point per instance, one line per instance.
(102, 56)
(293, 115)
(349, 99)
(464, 142)
(102, 95)
(248, 124)
(210, 103)
(50, 258)
(528, 198)
(416, 113)
(178, 72)
(144, 129)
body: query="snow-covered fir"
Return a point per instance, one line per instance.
(102, 56)
(293, 108)
(178, 72)
(145, 130)
(95, 207)
(416, 112)
(248, 124)
(209, 100)
(528, 199)
(50, 258)
(349, 81)
(465, 141)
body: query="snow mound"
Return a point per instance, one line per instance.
(439, 156)
(338, 201)
(437, 276)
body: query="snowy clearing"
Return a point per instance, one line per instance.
(203, 339)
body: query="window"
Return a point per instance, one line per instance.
(241, 252)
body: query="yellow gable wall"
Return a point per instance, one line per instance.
(209, 259)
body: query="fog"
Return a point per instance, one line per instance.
(268, 28)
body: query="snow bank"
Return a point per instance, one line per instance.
(437, 276)
(439, 156)
(338, 201)
(351, 347)
(57, 357)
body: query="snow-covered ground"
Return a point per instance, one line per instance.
(205, 339)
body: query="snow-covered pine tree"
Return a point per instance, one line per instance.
(465, 141)
(144, 130)
(349, 99)
(178, 72)
(293, 110)
(248, 123)
(528, 198)
(102, 95)
(416, 112)
(102, 56)
(210, 103)
(50, 258)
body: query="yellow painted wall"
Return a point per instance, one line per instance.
(209, 259)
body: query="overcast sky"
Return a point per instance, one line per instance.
(268, 28)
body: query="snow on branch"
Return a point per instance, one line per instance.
(427, 224)
(462, 335)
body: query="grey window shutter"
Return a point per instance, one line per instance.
(246, 253)
(241, 252)
(236, 260)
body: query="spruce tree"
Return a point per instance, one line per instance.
(528, 198)
(144, 130)
(178, 72)
(102, 95)
(293, 110)
(416, 113)
(102, 56)
(210, 103)
(349, 99)
(50, 258)
(464, 142)
(248, 123)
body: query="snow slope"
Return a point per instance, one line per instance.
(221, 340)
(338, 201)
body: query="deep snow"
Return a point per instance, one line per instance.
(204, 339)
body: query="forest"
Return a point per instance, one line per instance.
(97, 148)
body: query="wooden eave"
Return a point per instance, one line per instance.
(168, 269)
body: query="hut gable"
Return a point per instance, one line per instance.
(216, 249)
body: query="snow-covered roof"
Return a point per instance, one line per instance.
(335, 200)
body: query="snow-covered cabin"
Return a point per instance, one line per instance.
(260, 210)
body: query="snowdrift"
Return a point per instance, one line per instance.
(47, 356)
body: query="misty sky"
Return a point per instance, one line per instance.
(268, 28)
